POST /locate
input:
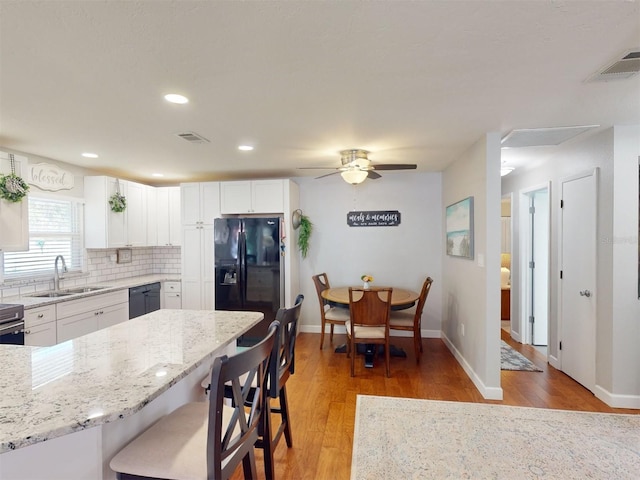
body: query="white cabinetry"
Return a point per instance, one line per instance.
(40, 326)
(168, 215)
(256, 196)
(171, 296)
(14, 216)
(152, 216)
(85, 315)
(107, 229)
(200, 205)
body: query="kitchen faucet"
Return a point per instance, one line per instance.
(56, 275)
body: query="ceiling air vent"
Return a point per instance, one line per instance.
(192, 137)
(626, 67)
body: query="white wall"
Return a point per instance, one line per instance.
(625, 375)
(471, 288)
(399, 256)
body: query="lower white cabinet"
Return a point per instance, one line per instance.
(40, 326)
(76, 326)
(171, 295)
(85, 315)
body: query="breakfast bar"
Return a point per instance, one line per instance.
(80, 401)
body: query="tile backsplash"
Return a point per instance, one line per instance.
(102, 266)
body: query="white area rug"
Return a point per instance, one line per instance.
(510, 359)
(400, 438)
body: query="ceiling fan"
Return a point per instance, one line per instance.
(356, 167)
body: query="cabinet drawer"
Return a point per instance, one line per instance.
(171, 287)
(39, 316)
(83, 305)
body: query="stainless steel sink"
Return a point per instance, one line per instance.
(83, 289)
(66, 292)
(50, 294)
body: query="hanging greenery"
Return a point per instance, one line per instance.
(117, 201)
(304, 234)
(12, 187)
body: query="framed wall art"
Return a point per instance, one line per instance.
(459, 228)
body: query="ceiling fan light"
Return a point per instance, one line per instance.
(354, 176)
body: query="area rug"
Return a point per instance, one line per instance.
(512, 360)
(404, 438)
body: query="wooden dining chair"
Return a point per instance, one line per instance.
(281, 367)
(369, 321)
(207, 440)
(409, 321)
(328, 314)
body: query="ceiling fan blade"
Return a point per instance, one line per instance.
(395, 166)
(316, 168)
(326, 175)
(373, 175)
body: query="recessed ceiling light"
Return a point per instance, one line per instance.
(175, 98)
(90, 155)
(245, 148)
(506, 171)
(157, 174)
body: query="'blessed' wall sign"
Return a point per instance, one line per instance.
(49, 177)
(379, 218)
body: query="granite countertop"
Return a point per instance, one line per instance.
(111, 286)
(52, 391)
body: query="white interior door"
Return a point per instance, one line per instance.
(540, 267)
(578, 296)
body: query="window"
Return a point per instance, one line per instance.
(55, 228)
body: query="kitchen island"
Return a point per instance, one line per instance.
(65, 410)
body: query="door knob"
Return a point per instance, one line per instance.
(585, 293)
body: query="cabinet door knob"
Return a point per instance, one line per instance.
(41, 315)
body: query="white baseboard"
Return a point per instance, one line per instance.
(616, 400)
(489, 393)
(554, 362)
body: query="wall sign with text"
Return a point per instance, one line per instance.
(49, 177)
(376, 218)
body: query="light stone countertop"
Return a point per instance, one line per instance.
(111, 286)
(52, 391)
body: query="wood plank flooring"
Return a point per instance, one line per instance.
(322, 398)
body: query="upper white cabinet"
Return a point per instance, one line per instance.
(200, 203)
(107, 229)
(168, 216)
(255, 196)
(14, 216)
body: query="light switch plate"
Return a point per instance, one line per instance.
(124, 255)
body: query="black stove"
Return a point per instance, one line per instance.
(11, 324)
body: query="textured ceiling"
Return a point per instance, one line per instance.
(414, 82)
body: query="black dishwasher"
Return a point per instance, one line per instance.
(144, 299)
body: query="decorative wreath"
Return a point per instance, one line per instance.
(118, 202)
(13, 188)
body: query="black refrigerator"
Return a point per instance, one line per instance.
(249, 273)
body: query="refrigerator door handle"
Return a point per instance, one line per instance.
(242, 266)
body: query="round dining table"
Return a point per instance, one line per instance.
(401, 298)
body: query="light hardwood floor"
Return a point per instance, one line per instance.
(322, 398)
